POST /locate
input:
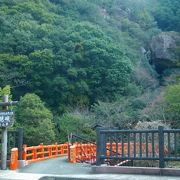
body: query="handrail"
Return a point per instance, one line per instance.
(82, 152)
(42, 152)
(79, 137)
(87, 152)
(88, 141)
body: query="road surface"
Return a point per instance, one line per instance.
(61, 169)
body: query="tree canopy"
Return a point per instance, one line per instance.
(81, 54)
(36, 119)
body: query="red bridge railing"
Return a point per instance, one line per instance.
(42, 152)
(38, 153)
(80, 152)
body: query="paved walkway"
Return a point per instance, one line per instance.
(58, 166)
(60, 169)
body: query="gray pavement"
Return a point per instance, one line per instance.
(58, 166)
(9, 175)
(60, 169)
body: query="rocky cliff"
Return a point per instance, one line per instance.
(165, 49)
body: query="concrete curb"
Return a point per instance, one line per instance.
(22, 163)
(136, 170)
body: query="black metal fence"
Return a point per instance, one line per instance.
(76, 138)
(15, 139)
(161, 144)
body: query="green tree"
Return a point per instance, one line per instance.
(15, 71)
(172, 100)
(74, 53)
(36, 119)
(167, 15)
(117, 114)
(75, 122)
(5, 90)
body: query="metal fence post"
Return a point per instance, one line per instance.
(69, 145)
(161, 147)
(20, 143)
(99, 146)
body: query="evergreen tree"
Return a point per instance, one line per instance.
(36, 119)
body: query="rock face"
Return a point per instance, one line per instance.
(165, 49)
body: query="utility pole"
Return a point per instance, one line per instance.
(4, 139)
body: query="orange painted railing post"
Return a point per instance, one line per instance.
(50, 151)
(63, 149)
(24, 152)
(34, 156)
(14, 159)
(42, 150)
(66, 145)
(73, 154)
(56, 147)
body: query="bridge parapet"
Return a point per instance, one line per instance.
(42, 152)
(38, 153)
(80, 152)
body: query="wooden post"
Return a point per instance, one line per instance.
(4, 141)
(24, 157)
(56, 147)
(42, 150)
(73, 153)
(50, 150)
(14, 159)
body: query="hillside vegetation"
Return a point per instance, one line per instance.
(78, 63)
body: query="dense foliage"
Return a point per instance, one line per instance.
(62, 60)
(36, 119)
(81, 54)
(167, 15)
(172, 100)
